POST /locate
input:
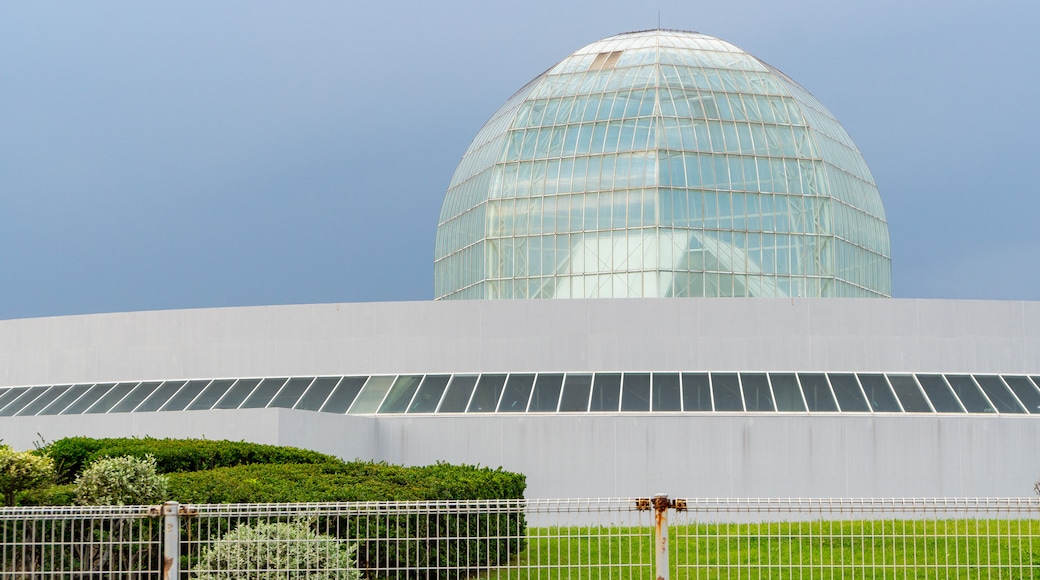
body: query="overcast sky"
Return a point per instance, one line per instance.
(198, 154)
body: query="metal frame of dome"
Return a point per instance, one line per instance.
(662, 163)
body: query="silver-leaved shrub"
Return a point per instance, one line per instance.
(121, 481)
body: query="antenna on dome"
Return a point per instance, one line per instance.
(659, 20)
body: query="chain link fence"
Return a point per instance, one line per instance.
(616, 539)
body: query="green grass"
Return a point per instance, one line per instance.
(932, 549)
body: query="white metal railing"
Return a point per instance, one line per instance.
(622, 538)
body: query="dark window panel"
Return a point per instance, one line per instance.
(696, 392)
(939, 393)
(786, 392)
(238, 393)
(372, 395)
(726, 390)
(12, 394)
(756, 392)
(343, 395)
(401, 394)
(25, 397)
(909, 394)
(850, 397)
(315, 396)
(969, 394)
(635, 396)
(111, 398)
(879, 394)
(136, 396)
(185, 395)
(65, 400)
(430, 392)
(41, 402)
(486, 395)
(516, 394)
(818, 396)
(999, 394)
(667, 394)
(546, 395)
(576, 389)
(88, 399)
(211, 394)
(1025, 391)
(291, 393)
(460, 389)
(606, 392)
(28, 396)
(263, 393)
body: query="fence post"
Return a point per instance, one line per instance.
(171, 540)
(661, 506)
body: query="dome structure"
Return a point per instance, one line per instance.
(662, 163)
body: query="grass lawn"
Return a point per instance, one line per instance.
(933, 549)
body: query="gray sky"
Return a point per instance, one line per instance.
(197, 154)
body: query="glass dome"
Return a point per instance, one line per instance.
(662, 163)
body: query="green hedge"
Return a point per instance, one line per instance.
(72, 454)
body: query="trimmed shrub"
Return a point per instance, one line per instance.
(281, 549)
(22, 470)
(72, 454)
(121, 481)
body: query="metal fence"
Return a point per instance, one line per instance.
(615, 539)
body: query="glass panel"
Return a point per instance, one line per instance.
(546, 395)
(290, 394)
(909, 394)
(667, 396)
(343, 395)
(939, 393)
(66, 399)
(606, 392)
(756, 392)
(487, 393)
(1025, 391)
(211, 394)
(83, 403)
(12, 394)
(184, 396)
(400, 395)
(111, 398)
(636, 394)
(696, 392)
(320, 389)
(429, 395)
(726, 389)
(237, 394)
(818, 395)
(263, 393)
(999, 394)
(788, 395)
(459, 391)
(517, 393)
(575, 398)
(134, 398)
(19, 403)
(879, 394)
(846, 389)
(44, 400)
(969, 394)
(372, 395)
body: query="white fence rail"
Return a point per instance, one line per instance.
(616, 539)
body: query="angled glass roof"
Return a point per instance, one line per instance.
(563, 393)
(662, 163)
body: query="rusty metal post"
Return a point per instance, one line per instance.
(171, 540)
(661, 506)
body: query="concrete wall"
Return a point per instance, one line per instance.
(628, 455)
(526, 335)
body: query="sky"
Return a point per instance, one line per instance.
(159, 155)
